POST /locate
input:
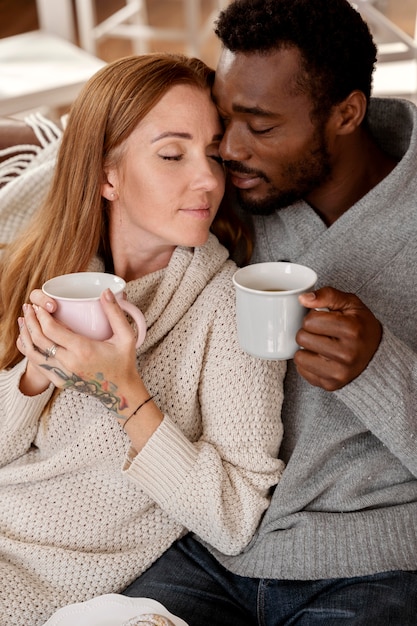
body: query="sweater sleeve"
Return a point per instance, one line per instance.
(384, 398)
(20, 414)
(219, 486)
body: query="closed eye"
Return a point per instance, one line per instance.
(263, 131)
(176, 157)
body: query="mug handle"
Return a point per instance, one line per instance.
(138, 317)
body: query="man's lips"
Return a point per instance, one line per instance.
(244, 181)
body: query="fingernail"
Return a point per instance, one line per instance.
(49, 306)
(20, 322)
(25, 307)
(109, 295)
(310, 295)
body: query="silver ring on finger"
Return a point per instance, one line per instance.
(51, 352)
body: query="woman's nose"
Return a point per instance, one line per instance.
(208, 176)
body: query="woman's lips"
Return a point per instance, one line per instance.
(202, 212)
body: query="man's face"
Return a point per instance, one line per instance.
(274, 150)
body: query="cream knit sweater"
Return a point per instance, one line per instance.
(77, 519)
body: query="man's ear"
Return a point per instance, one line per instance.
(349, 114)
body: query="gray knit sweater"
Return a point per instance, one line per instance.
(347, 502)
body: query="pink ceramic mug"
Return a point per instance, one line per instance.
(78, 303)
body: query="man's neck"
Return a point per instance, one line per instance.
(359, 167)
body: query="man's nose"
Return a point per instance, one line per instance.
(233, 146)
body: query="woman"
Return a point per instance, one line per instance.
(91, 496)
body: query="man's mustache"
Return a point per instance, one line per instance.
(236, 166)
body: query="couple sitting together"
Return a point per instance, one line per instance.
(234, 491)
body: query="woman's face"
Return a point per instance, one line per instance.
(170, 181)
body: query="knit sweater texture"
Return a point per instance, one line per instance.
(76, 519)
(347, 501)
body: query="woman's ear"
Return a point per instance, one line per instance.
(110, 186)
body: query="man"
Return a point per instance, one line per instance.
(330, 177)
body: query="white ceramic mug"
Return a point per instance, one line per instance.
(268, 312)
(77, 297)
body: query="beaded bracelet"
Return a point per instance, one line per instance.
(137, 409)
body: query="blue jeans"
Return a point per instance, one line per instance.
(194, 586)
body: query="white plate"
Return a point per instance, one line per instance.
(109, 610)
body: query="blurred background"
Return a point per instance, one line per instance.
(48, 48)
(19, 16)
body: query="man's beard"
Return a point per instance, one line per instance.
(268, 205)
(305, 175)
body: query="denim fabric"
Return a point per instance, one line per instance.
(194, 586)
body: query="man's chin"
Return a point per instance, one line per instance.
(265, 206)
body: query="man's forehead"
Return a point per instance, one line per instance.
(226, 60)
(256, 76)
(236, 64)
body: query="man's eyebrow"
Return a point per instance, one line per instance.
(179, 135)
(238, 108)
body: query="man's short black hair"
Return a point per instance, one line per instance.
(335, 43)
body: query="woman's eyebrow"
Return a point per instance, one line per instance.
(169, 133)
